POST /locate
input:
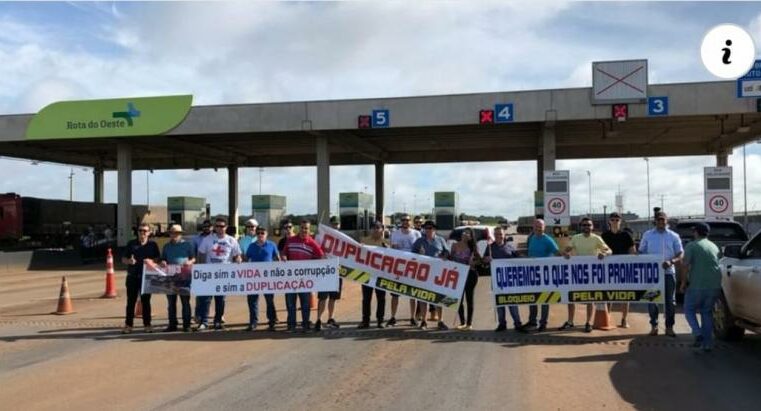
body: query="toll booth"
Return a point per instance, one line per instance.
(268, 210)
(188, 212)
(445, 210)
(356, 212)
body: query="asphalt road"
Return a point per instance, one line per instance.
(81, 361)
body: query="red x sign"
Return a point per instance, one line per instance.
(620, 112)
(620, 80)
(486, 117)
(363, 122)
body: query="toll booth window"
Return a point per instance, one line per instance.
(176, 218)
(445, 221)
(556, 187)
(348, 222)
(717, 184)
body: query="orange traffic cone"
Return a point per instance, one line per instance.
(312, 301)
(602, 318)
(64, 300)
(110, 280)
(139, 308)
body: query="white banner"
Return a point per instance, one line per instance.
(620, 278)
(278, 277)
(431, 280)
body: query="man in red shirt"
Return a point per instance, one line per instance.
(300, 247)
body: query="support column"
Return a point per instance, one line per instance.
(124, 187)
(722, 159)
(379, 191)
(546, 158)
(97, 185)
(232, 198)
(323, 179)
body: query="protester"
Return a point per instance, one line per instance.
(432, 245)
(219, 248)
(585, 243)
(418, 225)
(197, 240)
(297, 248)
(465, 252)
(665, 243)
(179, 252)
(376, 239)
(331, 296)
(137, 251)
(621, 243)
(501, 249)
(335, 223)
(249, 236)
(403, 239)
(702, 286)
(261, 250)
(286, 232)
(540, 245)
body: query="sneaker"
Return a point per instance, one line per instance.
(219, 327)
(126, 329)
(468, 328)
(670, 332)
(333, 324)
(317, 325)
(251, 327)
(391, 322)
(201, 327)
(308, 328)
(566, 325)
(423, 325)
(170, 329)
(441, 326)
(698, 342)
(290, 330)
(148, 329)
(587, 328)
(380, 324)
(529, 326)
(413, 323)
(186, 329)
(653, 331)
(542, 328)
(460, 327)
(271, 327)
(363, 326)
(624, 324)
(500, 328)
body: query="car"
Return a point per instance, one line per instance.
(723, 232)
(484, 236)
(739, 305)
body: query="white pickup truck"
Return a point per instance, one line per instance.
(739, 307)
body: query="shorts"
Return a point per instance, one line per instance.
(333, 295)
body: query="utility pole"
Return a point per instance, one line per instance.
(261, 171)
(647, 161)
(71, 185)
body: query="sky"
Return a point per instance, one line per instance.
(231, 52)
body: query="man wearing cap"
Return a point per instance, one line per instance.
(621, 243)
(249, 236)
(261, 250)
(702, 286)
(539, 245)
(197, 239)
(335, 223)
(403, 239)
(663, 242)
(179, 252)
(376, 239)
(297, 248)
(501, 249)
(432, 245)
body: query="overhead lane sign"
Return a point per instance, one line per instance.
(749, 85)
(619, 82)
(139, 116)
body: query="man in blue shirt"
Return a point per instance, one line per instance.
(432, 245)
(502, 249)
(261, 250)
(249, 236)
(180, 252)
(665, 243)
(540, 245)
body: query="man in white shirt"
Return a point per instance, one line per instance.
(402, 239)
(217, 248)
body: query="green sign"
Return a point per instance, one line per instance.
(185, 203)
(444, 199)
(140, 116)
(267, 202)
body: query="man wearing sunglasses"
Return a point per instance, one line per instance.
(621, 243)
(197, 240)
(403, 239)
(585, 243)
(432, 245)
(376, 239)
(249, 236)
(218, 248)
(261, 250)
(135, 253)
(286, 232)
(667, 244)
(297, 248)
(180, 252)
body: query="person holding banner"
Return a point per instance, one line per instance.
(249, 236)
(180, 252)
(540, 245)
(218, 248)
(376, 239)
(667, 244)
(403, 239)
(701, 258)
(286, 232)
(197, 240)
(465, 252)
(261, 250)
(585, 243)
(621, 243)
(432, 245)
(497, 250)
(135, 253)
(297, 248)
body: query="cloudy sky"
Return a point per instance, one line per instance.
(263, 52)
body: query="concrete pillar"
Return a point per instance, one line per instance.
(98, 185)
(323, 179)
(232, 198)
(124, 187)
(722, 159)
(379, 181)
(547, 155)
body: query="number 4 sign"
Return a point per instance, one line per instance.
(503, 113)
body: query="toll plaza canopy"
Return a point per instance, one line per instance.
(128, 134)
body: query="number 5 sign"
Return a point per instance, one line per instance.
(381, 118)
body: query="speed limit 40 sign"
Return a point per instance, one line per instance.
(718, 192)
(556, 198)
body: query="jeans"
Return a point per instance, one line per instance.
(670, 307)
(204, 303)
(253, 309)
(171, 307)
(467, 297)
(701, 301)
(532, 311)
(514, 313)
(269, 299)
(134, 284)
(290, 305)
(367, 297)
